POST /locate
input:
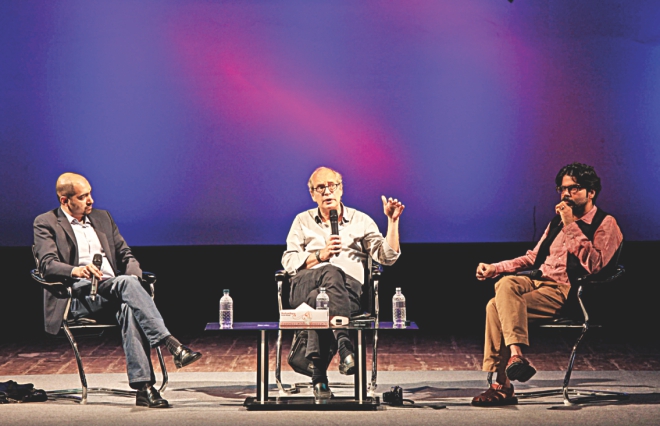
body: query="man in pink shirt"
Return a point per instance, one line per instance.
(580, 240)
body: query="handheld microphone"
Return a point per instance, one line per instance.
(98, 261)
(334, 222)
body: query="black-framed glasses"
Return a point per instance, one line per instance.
(572, 189)
(331, 186)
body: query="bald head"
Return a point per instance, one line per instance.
(74, 194)
(325, 187)
(325, 171)
(66, 184)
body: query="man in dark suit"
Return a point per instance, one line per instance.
(65, 241)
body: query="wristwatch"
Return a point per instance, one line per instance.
(317, 253)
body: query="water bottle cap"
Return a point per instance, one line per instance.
(398, 289)
(322, 288)
(225, 291)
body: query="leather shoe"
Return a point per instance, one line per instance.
(496, 396)
(519, 368)
(322, 391)
(185, 356)
(149, 397)
(347, 365)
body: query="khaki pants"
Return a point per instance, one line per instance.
(517, 299)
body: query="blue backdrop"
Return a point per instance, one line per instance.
(199, 122)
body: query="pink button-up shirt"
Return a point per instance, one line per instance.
(593, 256)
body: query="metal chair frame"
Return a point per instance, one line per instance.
(147, 278)
(373, 273)
(580, 396)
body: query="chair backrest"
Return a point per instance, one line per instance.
(36, 260)
(369, 299)
(572, 309)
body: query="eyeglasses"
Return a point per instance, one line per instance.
(330, 187)
(572, 189)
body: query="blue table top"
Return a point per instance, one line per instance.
(214, 326)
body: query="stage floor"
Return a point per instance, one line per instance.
(432, 369)
(418, 351)
(217, 397)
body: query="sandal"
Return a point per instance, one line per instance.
(519, 368)
(495, 396)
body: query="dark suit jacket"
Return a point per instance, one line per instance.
(57, 254)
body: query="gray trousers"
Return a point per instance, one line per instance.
(142, 326)
(343, 290)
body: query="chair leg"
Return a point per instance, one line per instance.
(278, 369)
(374, 367)
(163, 369)
(85, 390)
(81, 370)
(583, 395)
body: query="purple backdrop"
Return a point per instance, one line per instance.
(199, 122)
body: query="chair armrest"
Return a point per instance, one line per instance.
(148, 278)
(57, 288)
(534, 274)
(38, 278)
(598, 279)
(281, 275)
(376, 271)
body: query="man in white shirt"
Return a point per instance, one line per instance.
(314, 258)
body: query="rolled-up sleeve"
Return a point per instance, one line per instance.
(295, 255)
(523, 262)
(377, 246)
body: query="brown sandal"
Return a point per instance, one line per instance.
(519, 368)
(495, 396)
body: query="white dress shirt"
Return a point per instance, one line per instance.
(359, 238)
(88, 244)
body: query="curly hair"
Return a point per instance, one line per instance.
(584, 175)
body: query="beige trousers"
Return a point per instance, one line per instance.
(517, 299)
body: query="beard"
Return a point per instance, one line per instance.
(578, 209)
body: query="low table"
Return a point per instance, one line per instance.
(262, 401)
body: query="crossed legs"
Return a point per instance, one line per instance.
(142, 327)
(517, 300)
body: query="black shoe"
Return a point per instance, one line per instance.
(185, 356)
(322, 391)
(347, 365)
(149, 397)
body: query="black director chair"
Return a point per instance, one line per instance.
(570, 317)
(370, 307)
(89, 327)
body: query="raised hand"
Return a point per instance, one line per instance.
(564, 210)
(392, 208)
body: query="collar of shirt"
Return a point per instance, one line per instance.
(589, 217)
(347, 214)
(72, 220)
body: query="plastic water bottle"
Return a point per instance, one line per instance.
(398, 308)
(322, 300)
(226, 310)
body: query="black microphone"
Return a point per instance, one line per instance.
(334, 222)
(98, 261)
